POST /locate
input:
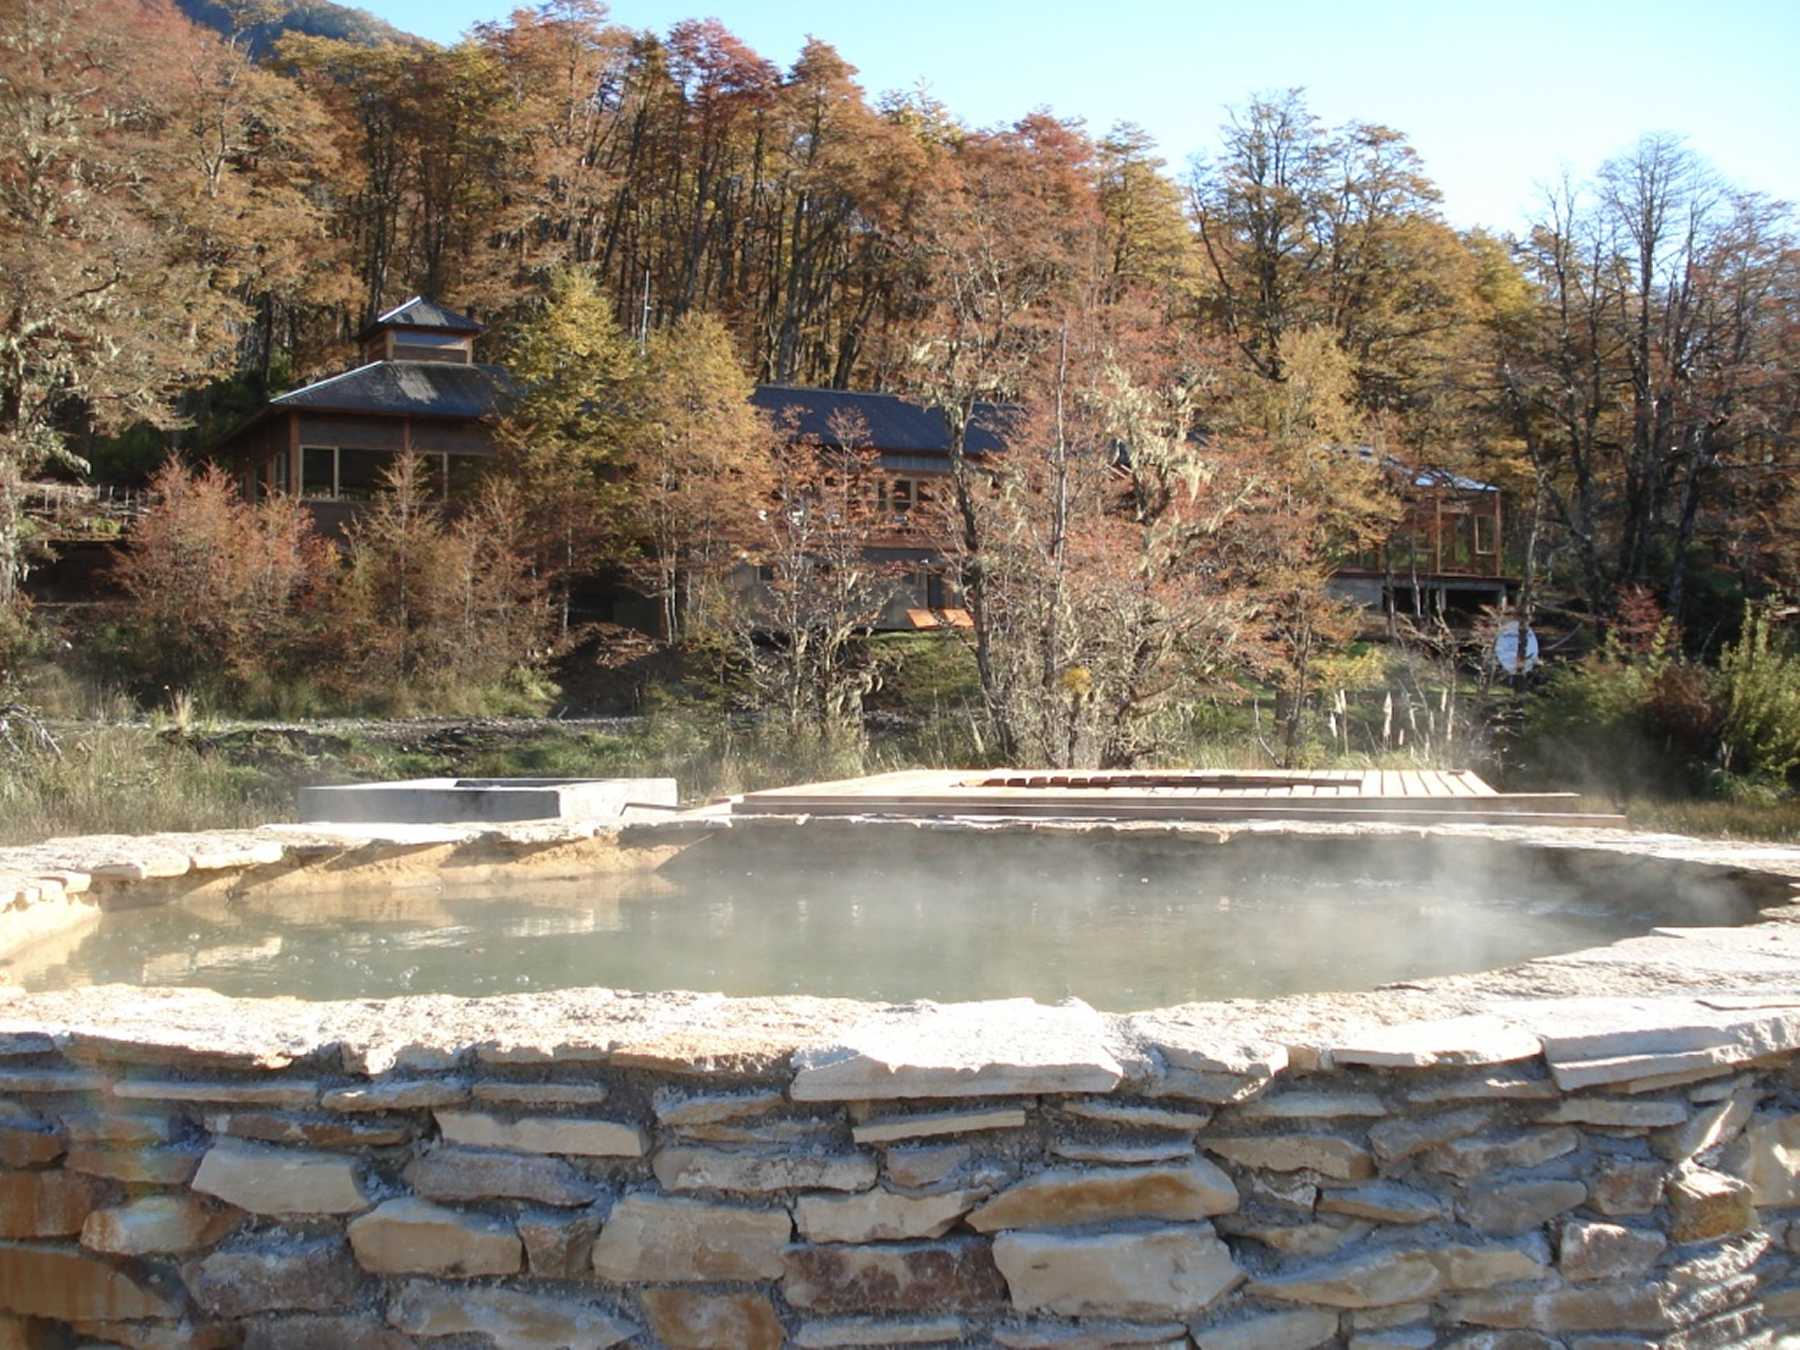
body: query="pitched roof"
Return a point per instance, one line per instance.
(419, 312)
(894, 423)
(422, 388)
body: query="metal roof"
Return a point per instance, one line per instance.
(420, 388)
(419, 312)
(894, 423)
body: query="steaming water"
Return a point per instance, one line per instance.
(1120, 933)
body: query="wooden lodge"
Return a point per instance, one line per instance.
(419, 387)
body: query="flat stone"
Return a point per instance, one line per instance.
(1327, 1154)
(1135, 1115)
(1311, 1106)
(954, 1275)
(1718, 1089)
(1300, 1329)
(1193, 1041)
(280, 1093)
(70, 1285)
(118, 1127)
(1636, 1073)
(498, 1093)
(684, 1167)
(1392, 1276)
(925, 1166)
(852, 1331)
(1091, 1334)
(273, 1273)
(29, 1081)
(1510, 1340)
(1382, 1202)
(1705, 1204)
(1382, 1319)
(1626, 1186)
(544, 1134)
(1611, 1112)
(46, 1204)
(1606, 1251)
(1365, 1280)
(1605, 1040)
(1769, 1159)
(1469, 1266)
(30, 1141)
(806, 1132)
(400, 1094)
(1395, 1338)
(653, 1237)
(467, 1174)
(1155, 1272)
(1120, 1154)
(559, 1246)
(415, 1237)
(155, 1225)
(1301, 1239)
(322, 1331)
(148, 1166)
(1473, 1157)
(881, 1216)
(1605, 1306)
(1401, 1137)
(888, 1129)
(686, 1319)
(1713, 1126)
(1497, 1085)
(1472, 1040)
(1064, 1196)
(1508, 1208)
(274, 1127)
(677, 1107)
(267, 1180)
(1003, 1047)
(506, 1317)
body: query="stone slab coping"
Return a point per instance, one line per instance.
(432, 800)
(1692, 1001)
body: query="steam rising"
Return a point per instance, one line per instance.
(1122, 924)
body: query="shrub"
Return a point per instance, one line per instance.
(425, 607)
(1759, 731)
(218, 591)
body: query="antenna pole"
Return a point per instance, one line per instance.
(644, 315)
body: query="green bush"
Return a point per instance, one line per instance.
(1595, 723)
(1654, 721)
(1759, 733)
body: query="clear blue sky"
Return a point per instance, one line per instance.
(1497, 98)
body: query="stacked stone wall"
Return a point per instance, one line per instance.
(1391, 1200)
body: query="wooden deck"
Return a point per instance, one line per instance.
(1419, 796)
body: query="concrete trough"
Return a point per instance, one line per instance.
(450, 800)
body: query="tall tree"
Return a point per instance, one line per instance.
(107, 307)
(697, 471)
(564, 429)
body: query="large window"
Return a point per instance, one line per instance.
(318, 472)
(361, 473)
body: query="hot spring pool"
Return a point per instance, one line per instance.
(1122, 928)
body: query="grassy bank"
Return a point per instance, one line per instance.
(128, 778)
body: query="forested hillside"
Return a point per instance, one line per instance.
(263, 23)
(191, 219)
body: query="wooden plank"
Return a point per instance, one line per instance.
(1370, 784)
(1476, 786)
(1416, 786)
(1348, 811)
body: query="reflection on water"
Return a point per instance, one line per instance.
(1118, 934)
